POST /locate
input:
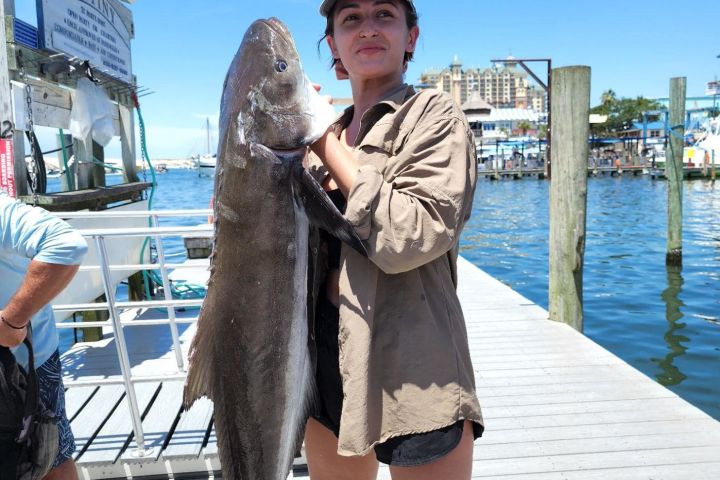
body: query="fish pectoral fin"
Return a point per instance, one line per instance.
(321, 211)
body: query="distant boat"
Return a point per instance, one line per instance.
(206, 164)
(700, 157)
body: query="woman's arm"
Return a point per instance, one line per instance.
(413, 215)
(341, 163)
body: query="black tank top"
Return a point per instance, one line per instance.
(333, 244)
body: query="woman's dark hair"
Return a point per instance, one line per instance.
(411, 19)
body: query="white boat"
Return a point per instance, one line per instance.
(700, 158)
(88, 283)
(706, 149)
(206, 164)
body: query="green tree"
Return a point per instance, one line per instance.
(608, 98)
(621, 112)
(542, 132)
(524, 126)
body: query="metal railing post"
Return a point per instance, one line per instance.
(122, 350)
(168, 296)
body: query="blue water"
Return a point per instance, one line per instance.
(664, 323)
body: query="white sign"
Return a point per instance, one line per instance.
(96, 30)
(713, 88)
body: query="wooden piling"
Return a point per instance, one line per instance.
(93, 334)
(568, 192)
(674, 170)
(136, 287)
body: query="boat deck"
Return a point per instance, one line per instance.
(556, 404)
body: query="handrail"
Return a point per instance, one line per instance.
(77, 307)
(144, 231)
(130, 267)
(125, 323)
(114, 307)
(136, 213)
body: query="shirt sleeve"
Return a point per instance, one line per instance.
(415, 216)
(36, 234)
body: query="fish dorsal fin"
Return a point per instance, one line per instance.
(321, 211)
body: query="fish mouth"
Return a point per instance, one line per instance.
(288, 153)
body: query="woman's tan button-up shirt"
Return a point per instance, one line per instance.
(404, 356)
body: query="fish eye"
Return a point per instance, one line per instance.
(281, 66)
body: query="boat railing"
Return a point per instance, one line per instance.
(114, 307)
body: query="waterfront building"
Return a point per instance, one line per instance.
(651, 132)
(490, 123)
(506, 87)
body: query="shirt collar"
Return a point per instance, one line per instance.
(393, 99)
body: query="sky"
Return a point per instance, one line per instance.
(182, 49)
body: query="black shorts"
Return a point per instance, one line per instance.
(402, 451)
(52, 393)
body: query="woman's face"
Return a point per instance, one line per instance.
(371, 37)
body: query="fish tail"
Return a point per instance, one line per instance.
(198, 380)
(195, 387)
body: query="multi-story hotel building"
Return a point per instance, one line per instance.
(506, 87)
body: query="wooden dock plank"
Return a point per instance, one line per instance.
(189, 434)
(91, 418)
(557, 405)
(627, 459)
(76, 398)
(157, 422)
(111, 439)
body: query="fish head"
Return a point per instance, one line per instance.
(280, 108)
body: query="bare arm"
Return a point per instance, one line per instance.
(43, 282)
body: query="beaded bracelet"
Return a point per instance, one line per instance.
(11, 325)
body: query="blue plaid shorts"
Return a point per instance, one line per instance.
(52, 393)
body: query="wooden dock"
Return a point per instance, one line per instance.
(556, 404)
(688, 173)
(516, 173)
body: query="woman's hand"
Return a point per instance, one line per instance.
(317, 88)
(339, 161)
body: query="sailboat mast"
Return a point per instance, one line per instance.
(207, 126)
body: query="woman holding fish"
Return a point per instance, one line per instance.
(394, 374)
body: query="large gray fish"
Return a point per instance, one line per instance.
(250, 354)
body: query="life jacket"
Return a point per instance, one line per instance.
(28, 430)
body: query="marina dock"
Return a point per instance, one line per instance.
(517, 173)
(556, 404)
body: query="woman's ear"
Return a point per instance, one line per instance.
(412, 39)
(331, 43)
